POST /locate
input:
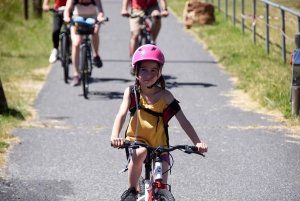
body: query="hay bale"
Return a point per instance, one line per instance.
(197, 11)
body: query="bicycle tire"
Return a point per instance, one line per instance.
(141, 185)
(142, 39)
(84, 71)
(65, 57)
(61, 49)
(164, 195)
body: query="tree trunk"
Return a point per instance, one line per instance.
(37, 8)
(3, 103)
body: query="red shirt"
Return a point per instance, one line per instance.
(140, 4)
(59, 3)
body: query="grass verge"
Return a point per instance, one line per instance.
(25, 47)
(265, 77)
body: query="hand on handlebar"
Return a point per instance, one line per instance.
(202, 147)
(46, 8)
(164, 13)
(124, 13)
(67, 19)
(117, 142)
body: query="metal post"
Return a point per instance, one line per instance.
(283, 37)
(242, 18)
(295, 91)
(267, 29)
(225, 13)
(253, 21)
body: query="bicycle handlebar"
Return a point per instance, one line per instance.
(185, 148)
(144, 16)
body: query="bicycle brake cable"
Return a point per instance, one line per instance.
(137, 113)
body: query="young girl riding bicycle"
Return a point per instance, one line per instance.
(148, 61)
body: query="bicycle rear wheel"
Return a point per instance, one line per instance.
(84, 71)
(164, 195)
(65, 56)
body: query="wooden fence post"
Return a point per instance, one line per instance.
(3, 103)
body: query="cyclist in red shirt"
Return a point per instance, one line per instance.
(144, 7)
(57, 24)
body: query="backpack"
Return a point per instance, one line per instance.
(166, 115)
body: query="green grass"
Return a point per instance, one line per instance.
(266, 78)
(25, 47)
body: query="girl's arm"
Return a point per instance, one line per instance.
(124, 7)
(120, 119)
(67, 11)
(100, 10)
(185, 124)
(164, 10)
(99, 6)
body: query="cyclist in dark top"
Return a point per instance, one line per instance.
(143, 7)
(57, 24)
(83, 8)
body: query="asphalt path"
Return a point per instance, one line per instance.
(65, 151)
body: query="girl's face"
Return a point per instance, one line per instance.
(148, 72)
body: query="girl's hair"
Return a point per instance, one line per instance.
(160, 82)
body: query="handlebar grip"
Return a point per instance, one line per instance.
(194, 148)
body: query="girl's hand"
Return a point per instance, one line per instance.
(124, 13)
(117, 142)
(46, 7)
(100, 17)
(202, 147)
(67, 19)
(164, 13)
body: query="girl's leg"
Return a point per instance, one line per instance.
(156, 25)
(96, 41)
(165, 167)
(57, 22)
(135, 166)
(76, 40)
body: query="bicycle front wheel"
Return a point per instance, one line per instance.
(84, 71)
(164, 195)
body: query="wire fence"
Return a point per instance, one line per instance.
(264, 19)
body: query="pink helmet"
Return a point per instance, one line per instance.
(148, 52)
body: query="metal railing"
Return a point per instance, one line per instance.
(254, 17)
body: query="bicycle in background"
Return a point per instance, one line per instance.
(85, 27)
(65, 45)
(145, 29)
(151, 187)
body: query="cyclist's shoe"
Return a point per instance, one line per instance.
(75, 81)
(97, 61)
(129, 195)
(152, 43)
(53, 56)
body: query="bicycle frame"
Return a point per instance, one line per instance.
(153, 184)
(154, 188)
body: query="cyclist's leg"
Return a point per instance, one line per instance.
(76, 40)
(135, 166)
(135, 29)
(95, 38)
(55, 36)
(156, 23)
